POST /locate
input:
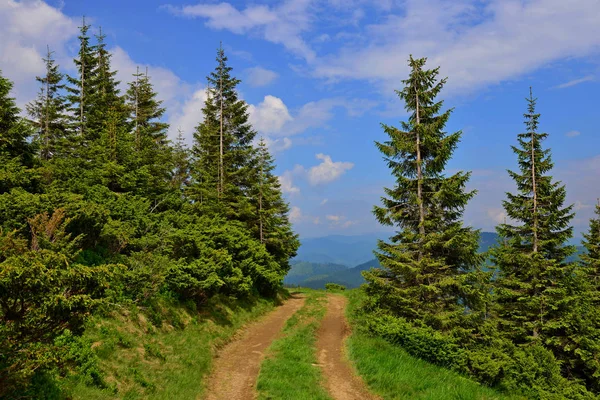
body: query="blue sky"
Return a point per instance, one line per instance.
(320, 75)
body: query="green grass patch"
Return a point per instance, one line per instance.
(162, 351)
(290, 370)
(392, 373)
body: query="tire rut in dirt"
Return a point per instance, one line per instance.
(340, 380)
(237, 365)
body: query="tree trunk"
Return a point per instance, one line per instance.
(221, 134)
(137, 88)
(419, 177)
(46, 155)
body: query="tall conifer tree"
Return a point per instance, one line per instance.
(223, 148)
(80, 87)
(16, 151)
(426, 263)
(48, 110)
(271, 225)
(534, 276)
(152, 150)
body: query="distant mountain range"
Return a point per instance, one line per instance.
(341, 259)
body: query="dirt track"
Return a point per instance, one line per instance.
(238, 364)
(340, 380)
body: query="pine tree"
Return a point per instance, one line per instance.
(17, 154)
(152, 151)
(426, 264)
(223, 150)
(81, 88)
(48, 110)
(591, 258)
(534, 284)
(271, 225)
(180, 174)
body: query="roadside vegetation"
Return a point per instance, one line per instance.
(529, 321)
(290, 369)
(392, 373)
(102, 213)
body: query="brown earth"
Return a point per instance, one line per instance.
(237, 365)
(340, 380)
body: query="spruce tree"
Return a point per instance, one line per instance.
(48, 110)
(17, 153)
(223, 150)
(533, 289)
(151, 146)
(271, 225)
(81, 88)
(426, 264)
(591, 258)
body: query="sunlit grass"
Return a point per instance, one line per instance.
(290, 370)
(163, 353)
(392, 373)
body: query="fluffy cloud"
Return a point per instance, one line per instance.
(287, 184)
(297, 216)
(572, 133)
(270, 115)
(282, 24)
(476, 43)
(188, 116)
(339, 221)
(328, 171)
(26, 28)
(259, 76)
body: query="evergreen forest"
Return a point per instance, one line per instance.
(101, 211)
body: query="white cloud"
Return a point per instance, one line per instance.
(328, 171)
(324, 201)
(269, 116)
(278, 145)
(26, 28)
(575, 82)
(282, 24)
(476, 44)
(339, 221)
(572, 134)
(287, 183)
(188, 116)
(295, 214)
(259, 76)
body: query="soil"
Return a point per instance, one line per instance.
(237, 365)
(341, 381)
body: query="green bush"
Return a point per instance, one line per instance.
(334, 286)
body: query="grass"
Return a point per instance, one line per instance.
(290, 369)
(162, 352)
(392, 373)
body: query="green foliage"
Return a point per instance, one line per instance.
(430, 267)
(334, 287)
(530, 324)
(99, 208)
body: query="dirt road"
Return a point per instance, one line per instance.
(340, 380)
(238, 364)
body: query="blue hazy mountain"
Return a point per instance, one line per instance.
(339, 249)
(341, 259)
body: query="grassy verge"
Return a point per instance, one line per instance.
(161, 352)
(290, 370)
(394, 374)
